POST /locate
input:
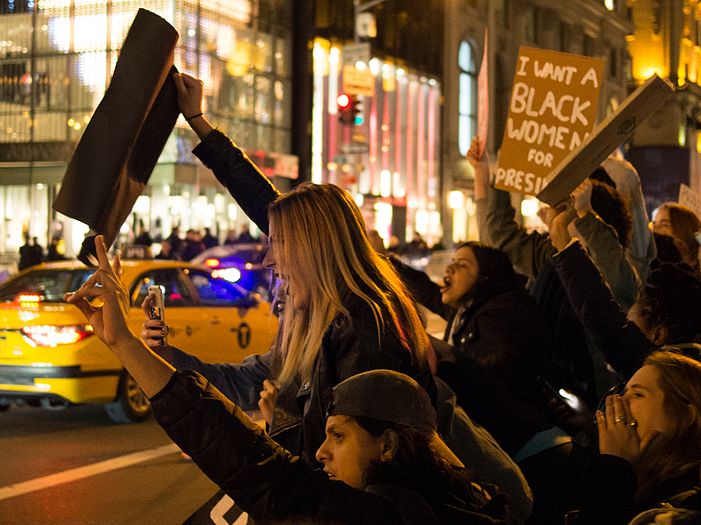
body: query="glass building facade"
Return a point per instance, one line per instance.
(56, 60)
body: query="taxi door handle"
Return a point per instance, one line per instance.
(214, 320)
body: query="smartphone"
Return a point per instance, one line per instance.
(548, 388)
(156, 310)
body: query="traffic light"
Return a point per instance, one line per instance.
(350, 110)
(345, 109)
(358, 117)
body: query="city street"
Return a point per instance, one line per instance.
(75, 466)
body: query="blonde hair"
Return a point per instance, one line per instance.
(679, 379)
(319, 233)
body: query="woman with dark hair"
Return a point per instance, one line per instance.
(681, 222)
(667, 312)
(499, 364)
(493, 324)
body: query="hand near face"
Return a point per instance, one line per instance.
(108, 319)
(618, 433)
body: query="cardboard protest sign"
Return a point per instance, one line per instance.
(483, 98)
(121, 145)
(690, 199)
(553, 107)
(607, 136)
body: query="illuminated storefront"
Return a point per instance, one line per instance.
(56, 58)
(386, 151)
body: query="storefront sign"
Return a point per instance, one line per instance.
(553, 107)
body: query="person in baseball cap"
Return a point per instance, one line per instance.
(390, 407)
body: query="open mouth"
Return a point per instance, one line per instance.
(446, 284)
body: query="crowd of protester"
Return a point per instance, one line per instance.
(566, 389)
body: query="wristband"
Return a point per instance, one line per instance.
(193, 116)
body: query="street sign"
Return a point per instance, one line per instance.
(353, 53)
(354, 148)
(358, 82)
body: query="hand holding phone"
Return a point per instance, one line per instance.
(156, 310)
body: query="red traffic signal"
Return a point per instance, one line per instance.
(349, 109)
(344, 102)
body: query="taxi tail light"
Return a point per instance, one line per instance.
(29, 298)
(52, 335)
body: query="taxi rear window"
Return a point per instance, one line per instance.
(49, 285)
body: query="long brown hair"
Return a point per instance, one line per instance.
(684, 224)
(680, 381)
(319, 232)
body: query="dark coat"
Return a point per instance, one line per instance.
(608, 493)
(272, 485)
(623, 344)
(501, 345)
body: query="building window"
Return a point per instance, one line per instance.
(467, 110)
(565, 32)
(613, 62)
(590, 46)
(501, 14)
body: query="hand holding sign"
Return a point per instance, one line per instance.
(479, 160)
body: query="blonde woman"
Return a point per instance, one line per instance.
(345, 311)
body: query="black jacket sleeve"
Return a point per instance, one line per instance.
(624, 345)
(252, 190)
(268, 482)
(425, 291)
(240, 382)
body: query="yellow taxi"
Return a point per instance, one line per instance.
(50, 357)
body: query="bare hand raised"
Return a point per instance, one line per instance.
(480, 163)
(190, 91)
(103, 299)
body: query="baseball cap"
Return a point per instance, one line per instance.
(393, 397)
